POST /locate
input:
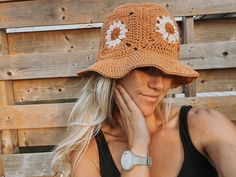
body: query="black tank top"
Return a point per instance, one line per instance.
(194, 165)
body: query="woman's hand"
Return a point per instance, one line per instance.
(132, 121)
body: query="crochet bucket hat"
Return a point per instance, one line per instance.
(139, 35)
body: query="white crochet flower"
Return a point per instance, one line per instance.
(167, 28)
(115, 34)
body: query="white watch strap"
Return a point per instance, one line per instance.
(139, 160)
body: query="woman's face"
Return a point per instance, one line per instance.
(147, 86)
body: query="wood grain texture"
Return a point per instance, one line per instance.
(10, 141)
(54, 12)
(40, 136)
(53, 41)
(56, 115)
(3, 42)
(1, 157)
(198, 56)
(6, 92)
(34, 116)
(9, 138)
(44, 65)
(188, 31)
(209, 55)
(35, 164)
(46, 90)
(7, 1)
(215, 30)
(216, 80)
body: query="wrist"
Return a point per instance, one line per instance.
(140, 150)
(129, 160)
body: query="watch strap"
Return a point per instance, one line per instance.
(139, 160)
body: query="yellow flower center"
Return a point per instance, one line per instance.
(169, 28)
(115, 33)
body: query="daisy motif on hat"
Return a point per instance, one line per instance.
(167, 28)
(115, 33)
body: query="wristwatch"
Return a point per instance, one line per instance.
(129, 160)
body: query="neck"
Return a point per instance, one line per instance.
(153, 123)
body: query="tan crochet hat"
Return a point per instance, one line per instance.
(139, 35)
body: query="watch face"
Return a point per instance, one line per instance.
(126, 160)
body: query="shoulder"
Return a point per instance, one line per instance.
(217, 135)
(211, 125)
(210, 118)
(90, 161)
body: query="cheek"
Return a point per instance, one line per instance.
(147, 108)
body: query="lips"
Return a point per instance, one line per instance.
(150, 95)
(150, 98)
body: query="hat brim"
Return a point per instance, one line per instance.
(118, 68)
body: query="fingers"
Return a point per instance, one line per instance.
(124, 120)
(121, 103)
(127, 98)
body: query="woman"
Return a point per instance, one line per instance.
(121, 124)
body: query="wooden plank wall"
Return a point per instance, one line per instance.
(38, 83)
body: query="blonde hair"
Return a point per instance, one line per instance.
(92, 110)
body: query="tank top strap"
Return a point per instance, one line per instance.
(184, 130)
(189, 148)
(106, 163)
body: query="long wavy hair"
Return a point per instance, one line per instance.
(94, 108)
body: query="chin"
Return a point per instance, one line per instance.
(148, 111)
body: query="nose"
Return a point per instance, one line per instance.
(156, 82)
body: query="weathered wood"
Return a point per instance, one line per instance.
(44, 65)
(216, 80)
(3, 42)
(209, 55)
(188, 31)
(1, 152)
(4, 1)
(40, 136)
(53, 41)
(6, 92)
(34, 116)
(198, 56)
(54, 12)
(48, 90)
(5, 87)
(215, 30)
(10, 141)
(35, 164)
(56, 115)
(3, 51)
(9, 138)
